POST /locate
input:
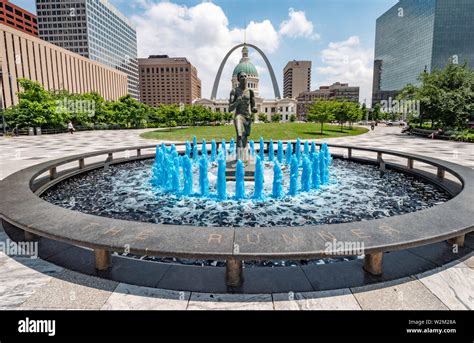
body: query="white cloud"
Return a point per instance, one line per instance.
(348, 62)
(202, 34)
(297, 26)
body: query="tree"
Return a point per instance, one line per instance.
(322, 112)
(292, 118)
(377, 113)
(263, 117)
(446, 95)
(36, 107)
(130, 112)
(341, 112)
(276, 117)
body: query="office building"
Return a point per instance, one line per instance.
(417, 36)
(93, 29)
(168, 80)
(296, 78)
(14, 16)
(337, 91)
(24, 56)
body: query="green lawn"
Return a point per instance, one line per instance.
(276, 131)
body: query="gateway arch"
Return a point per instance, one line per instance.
(276, 90)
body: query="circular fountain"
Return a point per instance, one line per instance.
(288, 202)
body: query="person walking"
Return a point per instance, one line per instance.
(70, 128)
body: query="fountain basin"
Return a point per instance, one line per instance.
(24, 210)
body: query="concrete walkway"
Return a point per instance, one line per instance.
(37, 284)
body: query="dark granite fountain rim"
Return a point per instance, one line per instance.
(23, 208)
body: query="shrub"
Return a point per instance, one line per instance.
(276, 117)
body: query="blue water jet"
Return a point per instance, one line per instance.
(239, 181)
(313, 148)
(204, 148)
(232, 147)
(280, 152)
(289, 153)
(315, 175)
(322, 167)
(188, 149)
(277, 189)
(252, 148)
(223, 148)
(195, 153)
(298, 150)
(221, 179)
(258, 189)
(306, 175)
(187, 176)
(306, 147)
(213, 150)
(175, 173)
(271, 152)
(293, 176)
(261, 152)
(203, 177)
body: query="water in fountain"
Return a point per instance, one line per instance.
(280, 152)
(231, 147)
(221, 181)
(258, 189)
(195, 153)
(298, 150)
(315, 176)
(203, 177)
(288, 152)
(188, 149)
(239, 181)
(271, 152)
(173, 173)
(213, 151)
(204, 148)
(261, 152)
(187, 176)
(252, 148)
(223, 148)
(306, 174)
(293, 176)
(277, 189)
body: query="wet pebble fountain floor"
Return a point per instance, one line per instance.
(356, 192)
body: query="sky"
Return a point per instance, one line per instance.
(338, 36)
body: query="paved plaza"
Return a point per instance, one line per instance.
(36, 284)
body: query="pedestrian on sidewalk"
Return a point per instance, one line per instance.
(70, 128)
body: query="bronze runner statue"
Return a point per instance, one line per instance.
(242, 100)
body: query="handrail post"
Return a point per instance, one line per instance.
(53, 173)
(441, 173)
(410, 163)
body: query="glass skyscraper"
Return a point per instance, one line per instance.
(418, 35)
(94, 29)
